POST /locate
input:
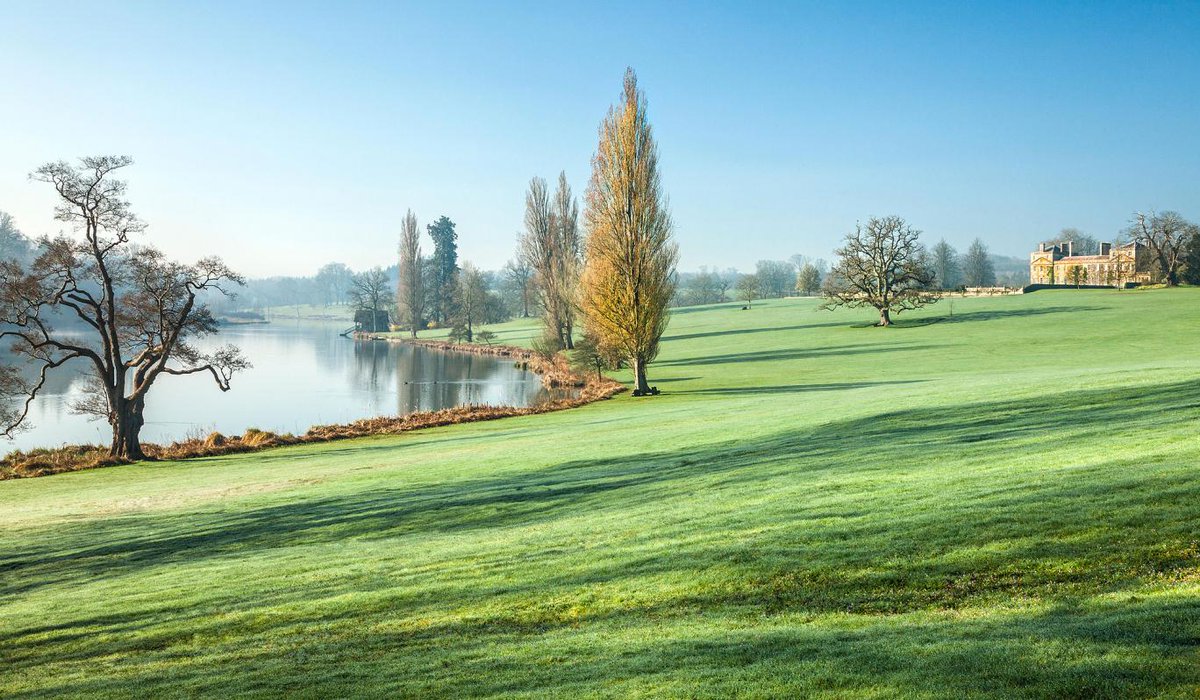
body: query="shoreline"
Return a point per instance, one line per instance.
(555, 372)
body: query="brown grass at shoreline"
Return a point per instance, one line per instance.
(554, 370)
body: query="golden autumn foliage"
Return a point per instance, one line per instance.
(629, 270)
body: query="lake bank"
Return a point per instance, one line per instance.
(554, 371)
(304, 374)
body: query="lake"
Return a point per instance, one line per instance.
(304, 374)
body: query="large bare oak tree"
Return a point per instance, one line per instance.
(1166, 236)
(139, 311)
(882, 265)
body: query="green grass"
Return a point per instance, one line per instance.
(1003, 503)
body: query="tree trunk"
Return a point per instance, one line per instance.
(640, 386)
(885, 317)
(127, 427)
(568, 340)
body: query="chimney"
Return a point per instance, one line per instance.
(1106, 248)
(1070, 248)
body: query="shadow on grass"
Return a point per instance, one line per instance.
(744, 331)
(879, 443)
(827, 538)
(1134, 648)
(794, 354)
(795, 388)
(992, 315)
(681, 310)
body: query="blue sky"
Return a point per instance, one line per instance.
(286, 135)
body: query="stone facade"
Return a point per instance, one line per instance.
(1115, 266)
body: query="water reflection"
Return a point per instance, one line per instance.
(304, 374)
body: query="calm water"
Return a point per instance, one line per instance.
(304, 374)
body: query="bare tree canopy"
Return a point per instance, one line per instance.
(333, 281)
(141, 311)
(551, 248)
(518, 279)
(371, 293)
(410, 295)
(629, 274)
(472, 296)
(1165, 236)
(946, 266)
(749, 288)
(882, 265)
(13, 245)
(775, 278)
(1081, 243)
(977, 267)
(705, 287)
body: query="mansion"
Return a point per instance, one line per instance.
(1115, 266)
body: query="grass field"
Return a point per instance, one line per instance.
(1000, 502)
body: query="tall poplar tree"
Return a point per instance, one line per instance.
(410, 297)
(565, 220)
(630, 257)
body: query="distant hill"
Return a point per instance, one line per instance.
(1010, 271)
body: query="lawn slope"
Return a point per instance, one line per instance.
(996, 497)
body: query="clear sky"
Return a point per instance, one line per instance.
(286, 135)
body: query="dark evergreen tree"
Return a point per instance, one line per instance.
(1191, 260)
(444, 269)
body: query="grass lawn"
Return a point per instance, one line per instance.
(1001, 502)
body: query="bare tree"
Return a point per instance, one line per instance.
(518, 277)
(1081, 243)
(977, 267)
(410, 293)
(333, 280)
(13, 245)
(945, 265)
(1166, 236)
(725, 281)
(629, 274)
(551, 248)
(775, 278)
(371, 293)
(748, 289)
(472, 296)
(881, 265)
(704, 288)
(141, 312)
(539, 249)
